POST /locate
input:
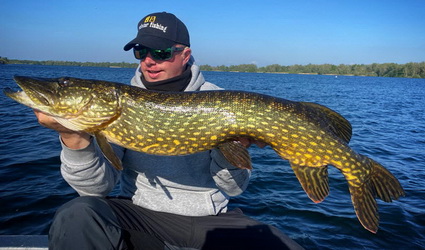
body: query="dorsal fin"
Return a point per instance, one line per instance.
(327, 118)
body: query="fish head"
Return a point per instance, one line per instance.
(78, 104)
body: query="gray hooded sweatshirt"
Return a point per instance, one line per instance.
(192, 185)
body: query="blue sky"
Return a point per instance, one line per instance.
(222, 32)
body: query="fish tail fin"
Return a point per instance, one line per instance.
(365, 207)
(381, 184)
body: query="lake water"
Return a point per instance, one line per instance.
(388, 119)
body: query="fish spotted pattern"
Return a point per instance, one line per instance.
(310, 136)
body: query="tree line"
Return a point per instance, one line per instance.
(5, 60)
(410, 70)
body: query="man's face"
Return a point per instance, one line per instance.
(157, 70)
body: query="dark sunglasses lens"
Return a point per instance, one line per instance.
(162, 54)
(158, 54)
(140, 53)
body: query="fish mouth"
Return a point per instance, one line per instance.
(37, 90)
(19, 96)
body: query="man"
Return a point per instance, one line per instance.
(165, 202)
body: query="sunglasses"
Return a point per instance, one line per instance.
(141, 52)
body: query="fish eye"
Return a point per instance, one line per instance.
(64, 81)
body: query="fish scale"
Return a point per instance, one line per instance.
(310, 136)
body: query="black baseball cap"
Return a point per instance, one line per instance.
(160, 31)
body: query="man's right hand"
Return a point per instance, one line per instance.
(71, 139)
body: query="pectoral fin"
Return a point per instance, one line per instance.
(107, 150)
(314, 181)
(236, 154)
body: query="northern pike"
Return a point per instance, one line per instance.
(308, 135)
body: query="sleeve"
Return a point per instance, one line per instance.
(228, 178)
(87, 171)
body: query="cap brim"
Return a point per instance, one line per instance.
(152, 42)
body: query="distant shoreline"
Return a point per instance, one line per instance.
(408, 70)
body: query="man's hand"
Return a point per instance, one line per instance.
(49, 122)
(72, 139)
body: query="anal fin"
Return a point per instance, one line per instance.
(314, 181)
(107, 150)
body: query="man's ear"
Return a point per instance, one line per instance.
(187, 52)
